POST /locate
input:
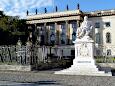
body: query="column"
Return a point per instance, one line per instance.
(78, 23)
(38, 35)
(35, 28)
(34, 34)
(45, 34)
(67, 33)
(57, 34)
(30, 33)
(48, 34)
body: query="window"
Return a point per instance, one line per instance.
(98, 38)
(107, 24)
(63, 34)
(62, 26)
(74, 25)
(108, 37)
(97, 25)
(108, 52)
(63, 38)
(52, 37)
(62, 41)
(52, 27)
(73, 36)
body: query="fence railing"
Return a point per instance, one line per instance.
(27, 55)
(14, 55)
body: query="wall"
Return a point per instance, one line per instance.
(15, 67)
(103, 30)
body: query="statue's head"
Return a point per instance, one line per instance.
(85, 18)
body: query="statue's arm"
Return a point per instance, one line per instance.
(80, 33)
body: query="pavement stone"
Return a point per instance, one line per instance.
(48, 77)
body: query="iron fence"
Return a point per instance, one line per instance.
(28, 55)
(14, 55)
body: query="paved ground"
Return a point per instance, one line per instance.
(9, 83)
(47, 78)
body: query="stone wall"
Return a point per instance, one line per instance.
(15, 67)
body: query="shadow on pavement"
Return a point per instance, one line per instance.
(39, 83)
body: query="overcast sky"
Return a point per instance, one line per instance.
(19, 7)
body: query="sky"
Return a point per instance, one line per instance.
(20, 7)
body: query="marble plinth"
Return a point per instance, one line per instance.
(84, 63)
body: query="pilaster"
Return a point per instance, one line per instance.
(45, 34)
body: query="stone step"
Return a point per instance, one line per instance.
(98, 73)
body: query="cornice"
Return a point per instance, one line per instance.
(53, 15)
(102, 13)
(70, 13)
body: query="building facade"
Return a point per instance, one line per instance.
(59, 29)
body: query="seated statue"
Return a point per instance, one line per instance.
(85, 29)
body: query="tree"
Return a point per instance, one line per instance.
(11, 29)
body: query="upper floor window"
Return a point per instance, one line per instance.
(98, 38)
(108, 37)
(107, 24)
(97, 25)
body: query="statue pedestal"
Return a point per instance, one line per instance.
(84, 63)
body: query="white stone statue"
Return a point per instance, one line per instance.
(84, 63)
(85, 29)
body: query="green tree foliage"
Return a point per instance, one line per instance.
(11, 29)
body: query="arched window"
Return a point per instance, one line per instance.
(108, 37)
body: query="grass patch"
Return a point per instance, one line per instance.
(103, 59)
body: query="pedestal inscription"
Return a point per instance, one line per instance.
(82, 50)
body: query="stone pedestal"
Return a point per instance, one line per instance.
(84, 63)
